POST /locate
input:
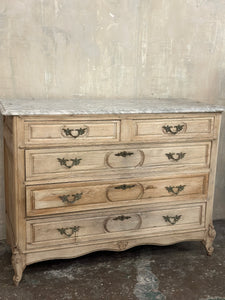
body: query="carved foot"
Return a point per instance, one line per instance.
(122, 245)
(18, 262)
(208, 242)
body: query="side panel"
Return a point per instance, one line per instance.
(14, 183)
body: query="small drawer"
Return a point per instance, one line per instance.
(108, 225)
(71, 132)
(169, 129)
(51, 199)
(61, 163)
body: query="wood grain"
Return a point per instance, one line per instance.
(48, 199)
(125, 181)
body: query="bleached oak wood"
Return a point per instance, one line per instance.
(55, 132)
(210, 233)
(130, 185)
(59, 162)
(51, 199)
(76, 250)
(19, 264)
(15, 196)
(127, 127)
(144, 130)
(127, 222)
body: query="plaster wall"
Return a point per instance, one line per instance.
(114, 48)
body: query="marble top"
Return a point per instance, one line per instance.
(103, 106)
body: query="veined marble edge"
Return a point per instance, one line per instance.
(2, 109)
(5, 112)
(188, 106)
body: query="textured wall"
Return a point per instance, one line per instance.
(121, 48)
(63, 48)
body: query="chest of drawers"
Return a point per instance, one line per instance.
(123, 174)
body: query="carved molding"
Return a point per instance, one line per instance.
(116, 165)
(113, 224)
(211, 231)
(138, 191)
(122, 245)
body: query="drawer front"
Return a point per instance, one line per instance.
(145, 220)
(57, 163)
(51, 199)
(69, 132)
(147, 130)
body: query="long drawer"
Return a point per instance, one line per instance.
(56, 163)
(108, 225)
(62, 198)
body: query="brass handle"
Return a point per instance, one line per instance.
(172, 220)
(69, 132)
(171, 156)
(68, 231)
(175, 189)
(124, 154)
(75, 197)
(124, 186)
(122, 218)
(173, 129)
(64, 162)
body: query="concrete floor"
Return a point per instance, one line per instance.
(178, 272)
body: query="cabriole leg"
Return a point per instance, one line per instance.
(208, 242)
(18, 262)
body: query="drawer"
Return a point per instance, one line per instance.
(62, 198)
(64, 163)
(71, 132)
(109, 225)
(148, 130)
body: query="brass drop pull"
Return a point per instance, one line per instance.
(75, 197)
(74, 162)
(124, 154)
(79, 132)
(172, 220)
(175, 156)
(121, 218)
(68, 231)
(173, 129)
(124, 186)
(175, 189)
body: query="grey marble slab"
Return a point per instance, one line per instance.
(103, 106)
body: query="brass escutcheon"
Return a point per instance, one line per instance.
(175, 189)
(124, 186)
(64, 162)
(124, 154)
(175, 156)
(75, 197)
(173, 129)
(122, 218)
(79, 132)
(172, 220)
(68, 231)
